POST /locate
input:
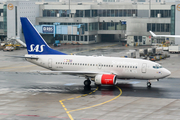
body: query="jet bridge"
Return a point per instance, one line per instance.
(57, 28)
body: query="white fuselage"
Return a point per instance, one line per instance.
(125, 68)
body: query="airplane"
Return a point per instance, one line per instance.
(100, 69)
(154, 35)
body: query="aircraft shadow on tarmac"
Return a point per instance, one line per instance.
(127, 90)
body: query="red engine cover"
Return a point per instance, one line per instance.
(108, 79)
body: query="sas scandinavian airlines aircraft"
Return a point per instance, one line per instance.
(102, 70)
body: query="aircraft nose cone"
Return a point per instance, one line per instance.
(167, 73)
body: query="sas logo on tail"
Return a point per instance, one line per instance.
(36, 48)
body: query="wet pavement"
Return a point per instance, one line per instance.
(27, 95)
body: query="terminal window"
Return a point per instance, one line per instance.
(158, 27)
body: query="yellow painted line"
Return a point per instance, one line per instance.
(61, 101)
(99, 103)
(70, 98)
(78, 96)
(95, 48)
(70, 116)
(84, 95)
(16, 67)
(90, 93)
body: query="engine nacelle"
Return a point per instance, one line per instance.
(105, 79)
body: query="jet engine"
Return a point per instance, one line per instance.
(105, 79)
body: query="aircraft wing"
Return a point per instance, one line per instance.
(76, 73)
(154, 35)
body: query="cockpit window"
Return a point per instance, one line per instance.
(157, 66)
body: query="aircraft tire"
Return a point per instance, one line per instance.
(87, 82)
(148, 84)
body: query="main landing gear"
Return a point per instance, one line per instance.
(87, 84)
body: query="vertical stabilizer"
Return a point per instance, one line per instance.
(35, 43)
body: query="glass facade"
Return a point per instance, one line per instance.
(158, 27)
(104, 13)
(56, 13)
(137, 38)
(172, 29)
(85, 27)
(75, 37)
(95, 26)
(1, 12)
(5, 18)
(163, 13)
(1, 25)
(91, 13)
(112, 26)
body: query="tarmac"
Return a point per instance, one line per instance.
(27, 95)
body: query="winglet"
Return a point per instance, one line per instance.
(154, 35)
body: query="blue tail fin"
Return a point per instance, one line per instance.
(35, 43)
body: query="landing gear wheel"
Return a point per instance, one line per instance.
(148, 84)
(87, 82)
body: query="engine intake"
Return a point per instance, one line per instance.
(105, 79)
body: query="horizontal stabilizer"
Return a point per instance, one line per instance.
(30, 57)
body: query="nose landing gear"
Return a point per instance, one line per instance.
(148, 84)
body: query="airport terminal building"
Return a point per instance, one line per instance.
(97, 21)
